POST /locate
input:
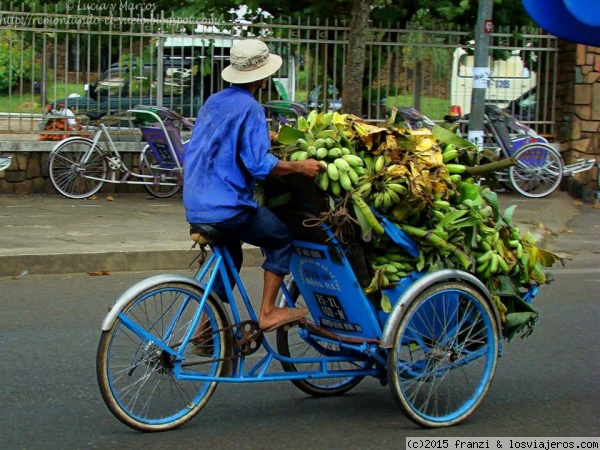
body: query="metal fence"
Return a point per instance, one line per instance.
(91, 62)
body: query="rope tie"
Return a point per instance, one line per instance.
(339, 219)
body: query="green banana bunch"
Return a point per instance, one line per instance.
(422, 185)
(450, 153)
(342, 168)
(395, 264)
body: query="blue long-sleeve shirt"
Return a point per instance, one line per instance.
(227, 153)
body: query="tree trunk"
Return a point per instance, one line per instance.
(355, 64)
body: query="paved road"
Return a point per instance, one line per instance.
(546, 385)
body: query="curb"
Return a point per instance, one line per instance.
(64, 263)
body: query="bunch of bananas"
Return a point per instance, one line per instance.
(342, 167)
(394, 263)
(384, 184)
(420, 183)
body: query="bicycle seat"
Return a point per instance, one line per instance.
(203, 233)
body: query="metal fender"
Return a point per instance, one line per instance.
(422, 283)
(148, 283)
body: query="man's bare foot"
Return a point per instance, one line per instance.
(281, 316)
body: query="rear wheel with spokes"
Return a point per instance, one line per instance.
(145, 366)
(77, 168)
(538, 170)
(290, 343)
(444, 354)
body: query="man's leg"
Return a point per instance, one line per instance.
(270, 315)
(202, 338)
(272, 282)
(263, 229)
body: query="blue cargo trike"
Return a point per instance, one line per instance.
(437, 348)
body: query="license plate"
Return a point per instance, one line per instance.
(502, 84)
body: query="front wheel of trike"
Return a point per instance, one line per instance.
(148, 372)
(444, 355)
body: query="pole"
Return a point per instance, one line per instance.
(160, 64)
(481, 72)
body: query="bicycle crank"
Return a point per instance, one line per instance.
(248, 337)
(114, 162)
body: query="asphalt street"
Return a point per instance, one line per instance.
(545, 385)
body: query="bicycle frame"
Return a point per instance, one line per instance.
(116, 163)
(218, 264)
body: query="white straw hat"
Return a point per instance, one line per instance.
(250, 61)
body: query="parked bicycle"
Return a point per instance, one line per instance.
(538, 169)
(79, 166)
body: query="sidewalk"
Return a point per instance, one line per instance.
(50, 234)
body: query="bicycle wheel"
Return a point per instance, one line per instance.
(148, 166)
(444, 355)
(70, 175)
(144, 386)
(291, 344)
(538, 171)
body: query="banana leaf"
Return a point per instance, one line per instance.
(505, 287)
(520, 318)
(444, 135)
(508, 214)
(288, 135)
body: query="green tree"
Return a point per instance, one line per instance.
(16, 61)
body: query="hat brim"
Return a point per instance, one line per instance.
(272, 65)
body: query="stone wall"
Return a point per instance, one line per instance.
(28, 173)
(578, 107)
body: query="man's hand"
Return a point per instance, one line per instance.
(309, 168)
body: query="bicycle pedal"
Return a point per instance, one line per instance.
(289, 326)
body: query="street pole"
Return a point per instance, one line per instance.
(481, 72)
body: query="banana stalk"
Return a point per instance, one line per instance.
(368, 215)
(430, 238)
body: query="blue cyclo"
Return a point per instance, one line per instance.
(169, 340)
